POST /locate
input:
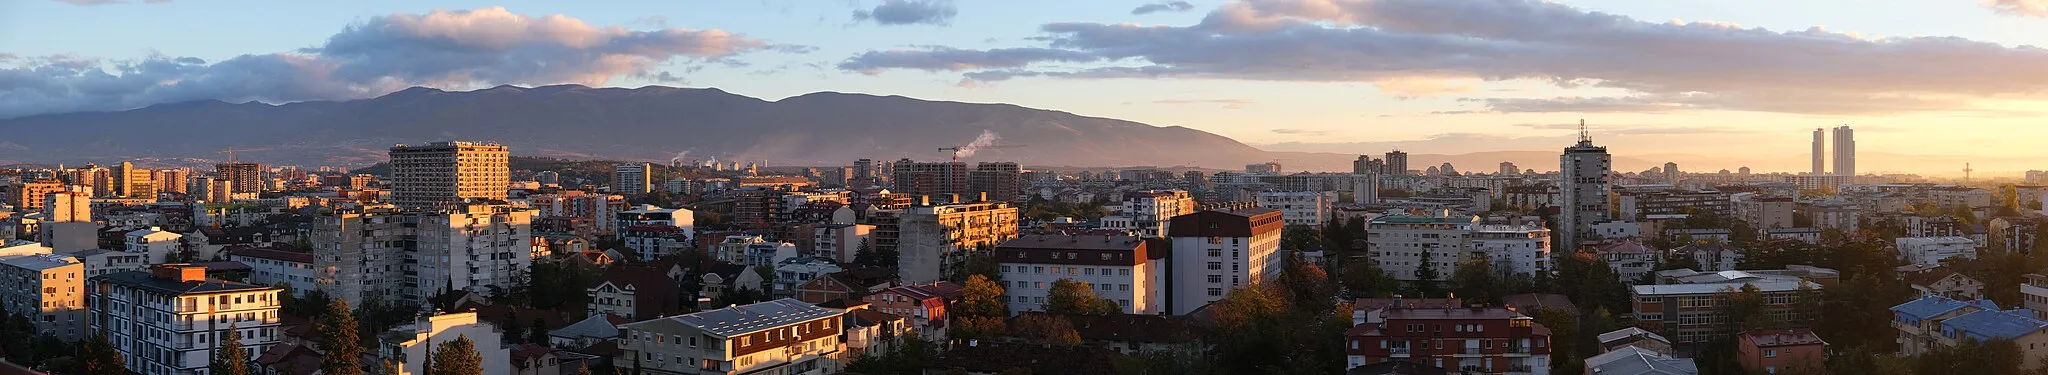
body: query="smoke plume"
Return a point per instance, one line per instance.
(987, 138)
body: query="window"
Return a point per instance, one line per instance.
(1213, 253)
(1006, 268)
(1215, 279)
(1123, 272)
(1770, 353)
(1215, 292)
(1217, 266)
(1088, 271)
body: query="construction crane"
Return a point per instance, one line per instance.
(955, 151)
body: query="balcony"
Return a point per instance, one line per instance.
(1398, 351)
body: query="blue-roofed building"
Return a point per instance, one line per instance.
(2018, 325)
(1919, 321)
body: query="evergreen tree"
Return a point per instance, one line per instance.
(1426, 276)
(230, 359)
(865, 255)
(344, 351)
(539, 332)
(457, 357)
(96, 356)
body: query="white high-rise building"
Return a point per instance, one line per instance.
(170, 320)
(1232, 248)
(406, 257)
(1152, 211)
(1845, 152)
(1820, 149)
(1308, 208)
(632, 179)
(1582, 172)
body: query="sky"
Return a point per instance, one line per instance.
(1718, 84)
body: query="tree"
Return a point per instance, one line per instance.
(1045, 329)
(458, 357)
(866, 255)
(539, 332)
(96, 356)
(1426, 275)
(1362, 279)
(1300, 238)
(980, 297)
(1074, 297)
(1475, 280)
(344, 353)
(230, 359)
(391, 368)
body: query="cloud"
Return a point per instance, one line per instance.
(1165, 6)
(1227, 103)
(1657, 65)
(1300, 132)
(909, 12)
(458, 49)
(2026, 8)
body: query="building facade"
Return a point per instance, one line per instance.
(934, 241)
(278, 268)
(48, 289)
(1582, 182)
(1152, 211)
(783, 336)
(1237, 248)
(1489, 340)
(446, 173)
(1300, 207)
(1117, 268)
(632, 178)
(169, 321)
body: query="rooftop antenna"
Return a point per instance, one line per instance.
(1584, 137)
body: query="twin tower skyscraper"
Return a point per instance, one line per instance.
(1845, 151)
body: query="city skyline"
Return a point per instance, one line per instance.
(1089, 58)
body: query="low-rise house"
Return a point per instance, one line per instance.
(2018, 325)
(924, 305)
(586, 332)
(1132, 334)
(1919, 321)
(1945, 282)
(850, 284)
(1771, 351)
(793, 272)
(634, 292)
(1635, 337)
(1711, 256)
(1630, 360)
(1531, 303)
(1631, 260)
(870, 333)
(412, 345)
(783, 336)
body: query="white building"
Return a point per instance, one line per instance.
(842, 241)
(1300, 207)
(278, 268)
(156, 243)
(783, 336)
(102, 261)
(1118, 268)
(169, 320)
(1514, 249)
(1238, 247)
(1151, 211)
(792, 272)
(654, 232)
(413, 345)
(405, 257)
(1932, 250)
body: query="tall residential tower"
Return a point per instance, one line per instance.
(443, 174)
(1583, 173)
(1845, 151)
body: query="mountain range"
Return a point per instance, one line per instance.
(653, 123)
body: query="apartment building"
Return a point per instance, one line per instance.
(1398, 243)
(933, 178)
(783, 336)
(1489, 340)
(1764, 212)
(155, 243)
(1681, 305)
(1118, 268)
(1236, 248)
(28, 196)
(1919, 321)
(1796, 350)
(632, 178)
(1931, 251)
(446, 173)
(934, 240)
(998, 181)
(1310, 208)
(922, 305)
(1637, 204)
(406, 256)
(48, 289)
(278, 268)
(240, 177)
(1152, 211)
(652, 232)
(170, 320)
(412, 345)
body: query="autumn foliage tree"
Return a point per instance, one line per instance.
(344, 350)
(981, 309)
(1075, 297)
(458, 357)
